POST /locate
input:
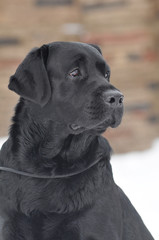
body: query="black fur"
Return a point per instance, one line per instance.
(66, 102)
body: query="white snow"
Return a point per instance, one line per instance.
(137, 174)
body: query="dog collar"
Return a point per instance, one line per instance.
(70, 174)
(100, 154)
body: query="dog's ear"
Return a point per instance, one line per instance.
(31, 79)
(97, 47)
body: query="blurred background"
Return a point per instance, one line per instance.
(127, 32)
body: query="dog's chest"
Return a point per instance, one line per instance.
(80, 214)
(102, 221)
(61, 196)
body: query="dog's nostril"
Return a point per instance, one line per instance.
(111, 100)
(121, 99)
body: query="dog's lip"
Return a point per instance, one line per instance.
(106, 123)
(109, 122)
(76, 127)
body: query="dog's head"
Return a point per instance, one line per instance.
(69, 82)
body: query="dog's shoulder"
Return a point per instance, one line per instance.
(132, 223)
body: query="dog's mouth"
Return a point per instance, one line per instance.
(76, 127)
(100, 127)
(98, 119)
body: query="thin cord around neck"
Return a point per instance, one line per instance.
(54, 176)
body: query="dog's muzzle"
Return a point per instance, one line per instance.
(102, 114)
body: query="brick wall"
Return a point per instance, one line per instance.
(126, 30)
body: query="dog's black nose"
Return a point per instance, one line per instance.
(114, 98)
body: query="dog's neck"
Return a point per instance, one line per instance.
(69, 146)
(51, 139)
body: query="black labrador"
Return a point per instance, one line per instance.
(56, 181)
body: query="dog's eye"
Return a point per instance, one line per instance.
(75, 73)
(107, 75)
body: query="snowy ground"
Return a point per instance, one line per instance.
(138, 175)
